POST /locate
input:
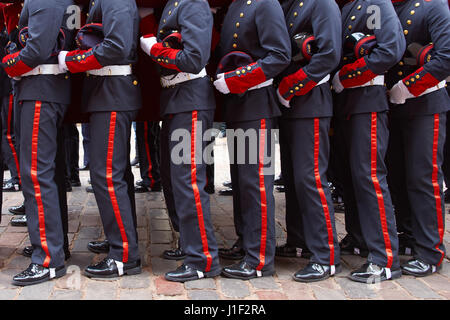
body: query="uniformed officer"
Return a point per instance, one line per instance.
(362, 106)
(304, 92)
(112, 97)
(43, 93)
(419, 105)
(187, 104)
(256, 29)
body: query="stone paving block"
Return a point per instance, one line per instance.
(389, 294)
(19, 262)
(160, 225)
(6, 278)
(12, 229)
(91, 211)
(74, 226)
(41, 291)
(89, 233)
(101, 290)
(327, 294)
(80, 259)
(156, 250)
(297, 290)
(232, 288)
(271, 295)
(5, 253)
(200, 284)
(356, 290)
(8, 294)
(285, 268)
(91, 221)
(417, 288)
(161, 266)
(143, 234)
(437, 282)
(265, 283)
(161, 237)
(168, 288)
(203, 295)
(228, 233)
(353, 262)
(80, 245)
(158, 214)
(136, 294)
(66, 295)
(8, 239)
(445, 271)
(140, 281)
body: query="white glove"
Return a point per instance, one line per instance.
(399, 93)
(337, 85)
(221, 84)
(147, 44)
(283, 101)
(62, 61)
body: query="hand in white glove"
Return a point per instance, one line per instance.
(337, 85)
(399, 93)
(62, 61)
(283, 101)
(148, 43)
(221, 84)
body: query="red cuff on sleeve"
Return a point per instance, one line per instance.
(420, 81)
(242, 79)
(14, 66)
(166, 57)
(356, 74)
(296, 84)
(82, 61)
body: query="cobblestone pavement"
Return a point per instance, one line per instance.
(155, 235)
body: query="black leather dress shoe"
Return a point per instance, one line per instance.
(236, 252)
(89, 189)
(227, 184)
(372, 273)
(316, 272)
(244, 271)
(141, 189)
(349, 248)
(174, 254)
(36, 273)
(110, 268)
(11, 186)
(185, 273)
(28, 252)
(19, 222)
(278, 181)
(75, 182)
(292, 252)
(226, 192)
(418, 268)
(210, 189)
(18, 210)
(98, 246)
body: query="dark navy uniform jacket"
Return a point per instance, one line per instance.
(193, 20)
(322, 19)
(120, 20)
(44, 19)
(390, 49)
(424, 22)
(256, 27)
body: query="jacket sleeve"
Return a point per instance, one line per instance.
(438, 68)
(274, 38)
(45, 17)
(119, 38)
(196, 23)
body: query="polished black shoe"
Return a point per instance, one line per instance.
(141, 189)
(418, 268)
(243, 271)
(278, 181)
(36, 273)
(89, 189)
(185, 273)
(316, 272)
(28, 252)
(236, 252)
(19, 222)
(372, 273)
(174, 254)
(289, 251)
(226, 192)
(17, 210)
(227, 184)
(110, 268)
(281, 189)
(348, 248)
(210, 189)
(75, 182)
(11, 186)
(98, 246)
(134, 162)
